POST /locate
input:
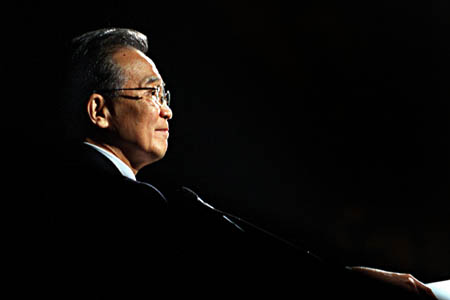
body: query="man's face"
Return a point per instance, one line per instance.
(140, 126)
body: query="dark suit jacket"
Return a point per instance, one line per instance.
(104, 234)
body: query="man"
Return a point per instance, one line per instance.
(108, 230)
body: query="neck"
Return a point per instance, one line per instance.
(115, 151)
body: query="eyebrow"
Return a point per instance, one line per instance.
(150, 80)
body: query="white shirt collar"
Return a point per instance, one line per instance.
(123, 168)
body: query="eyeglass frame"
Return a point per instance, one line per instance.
(165, 97)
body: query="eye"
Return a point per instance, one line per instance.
(151, 92)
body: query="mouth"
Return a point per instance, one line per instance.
(164, 131)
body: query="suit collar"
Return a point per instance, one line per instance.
(120, 165)
(99, 163)
(93, 161)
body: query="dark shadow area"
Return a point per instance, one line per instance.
(325, 123)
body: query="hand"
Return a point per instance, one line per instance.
(404, 281)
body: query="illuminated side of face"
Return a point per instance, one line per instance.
(140, 128)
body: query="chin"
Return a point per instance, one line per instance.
(158, 157)
(156, 154)
(148, 157)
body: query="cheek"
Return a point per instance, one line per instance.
(148, 139)
(145, 123)
(136, 123)
(148, 118)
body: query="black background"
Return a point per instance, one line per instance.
(324, 122)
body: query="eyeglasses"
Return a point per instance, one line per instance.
(157, 94)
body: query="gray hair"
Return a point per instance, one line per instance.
(91, 67)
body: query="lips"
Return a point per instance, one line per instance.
(164, 131)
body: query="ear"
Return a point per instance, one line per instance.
(98, 111)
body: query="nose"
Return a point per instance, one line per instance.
(165, 112)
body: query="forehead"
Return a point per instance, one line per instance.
(137, 67)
